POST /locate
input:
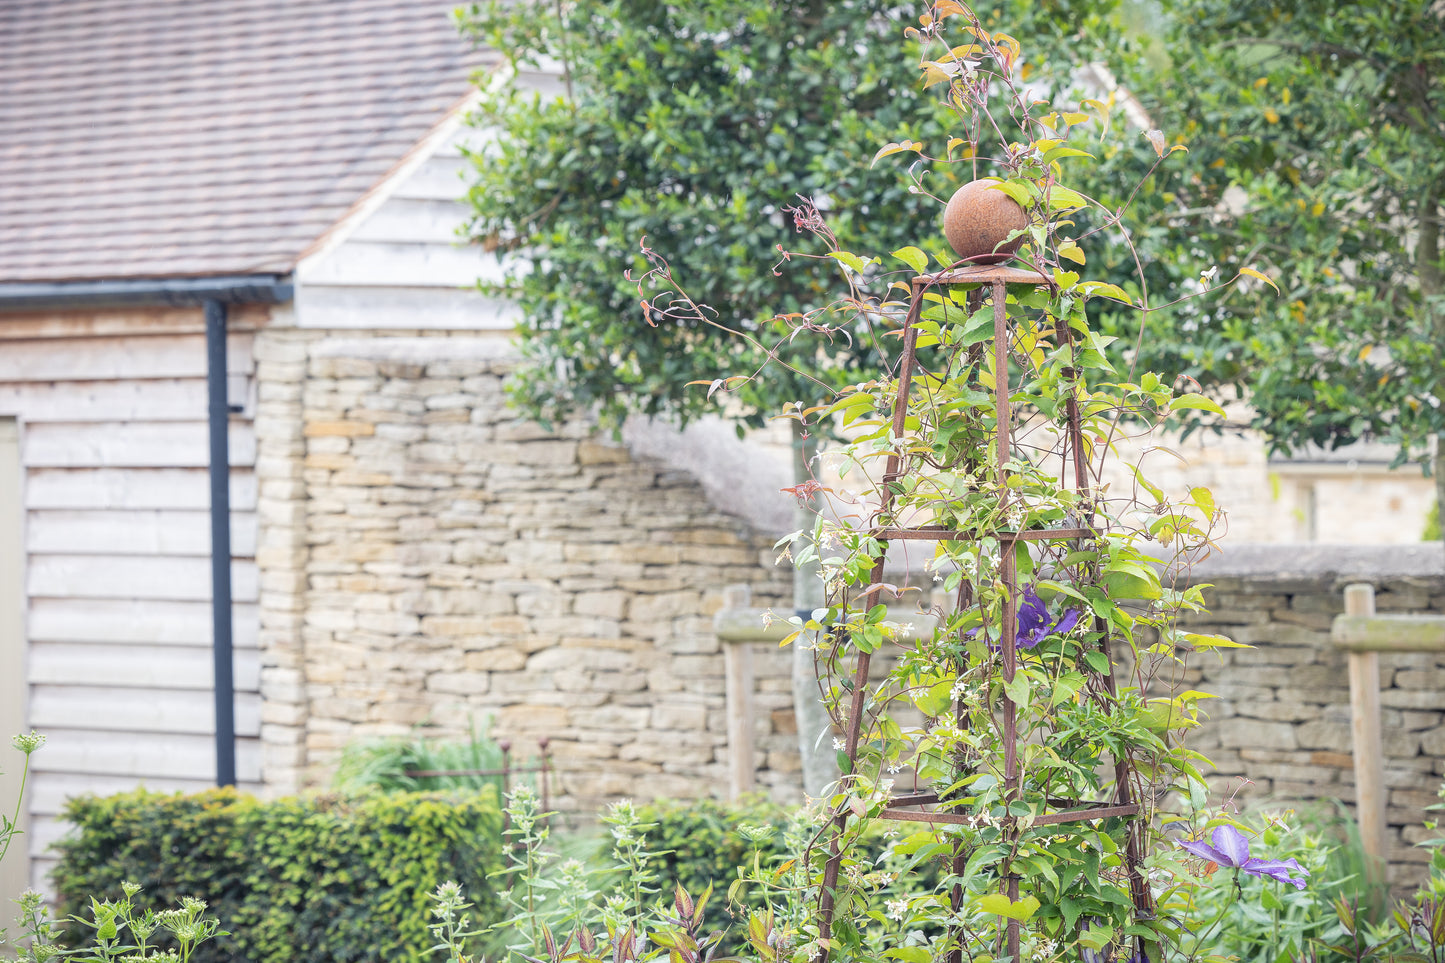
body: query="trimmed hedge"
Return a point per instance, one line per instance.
(320, 878)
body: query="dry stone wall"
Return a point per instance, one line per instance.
(452, 562)
(1280, 725)
(427, 559)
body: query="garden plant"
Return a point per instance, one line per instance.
(114, 930)
(1008, 719)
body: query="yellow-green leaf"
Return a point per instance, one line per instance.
(1195, 402)
(1017, 191)
(1072, 251)
(999, 905)
(1063, 199)
(913, 257)
(1056, 153)
(935, 74)
(855, 263)
(1255, 274)
(1212, 641)
(898, 148)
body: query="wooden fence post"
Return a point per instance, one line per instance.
(738, 683)
(1369, 753)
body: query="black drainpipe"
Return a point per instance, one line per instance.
(213, 294)
(219, 412)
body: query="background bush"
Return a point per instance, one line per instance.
(320, 878)
(383, 764)
(706, 841)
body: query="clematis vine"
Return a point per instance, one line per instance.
(1034, 624)
(1033, 621)
(1231, 849)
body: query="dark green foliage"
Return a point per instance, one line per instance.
(1316, 138)
(706, 842)
(704, 847)
(384, 764)
(320, 878)
(695, 125)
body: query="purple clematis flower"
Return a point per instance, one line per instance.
(1034, 624)
(1231, 849)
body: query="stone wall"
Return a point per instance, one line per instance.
(434, 559)
(428, 558)
(1282, 716)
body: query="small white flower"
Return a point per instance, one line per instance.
(839, 745)
(897, 908)
(895, 768)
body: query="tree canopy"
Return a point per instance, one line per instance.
(1316, 137)
(698, 126)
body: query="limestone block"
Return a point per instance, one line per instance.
(603, 604)
(459, 683)
(401, 713)
(1324, 735)
(344, 429)
(1273, 711)
(458, 627)
(533, 554)
(456, 399)
(590, 452)
(500, 659)
(531, 717)
(1264, 735)
(548, 604)
(519, 430)
(672, 715)
(562, 657)
(1411, 698)
(665, 605)
(612, 717)
(577, 627)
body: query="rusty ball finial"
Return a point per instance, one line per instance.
(978, 218)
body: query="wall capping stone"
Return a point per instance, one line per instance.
(1361, 562)
(500, 348)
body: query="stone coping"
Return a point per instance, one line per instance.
(500, 347)
(1282, 562)
(1296, 561)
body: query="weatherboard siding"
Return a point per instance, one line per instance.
(402, 260)
(114, 444)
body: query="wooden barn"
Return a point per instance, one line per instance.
(174, 179)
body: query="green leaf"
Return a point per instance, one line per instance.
(1251, 272)
(1195, 402)
(1017, 689)
(1063, 199)
(1206, 642)
(1060, 152)
(910, 954)
(888, 149)
(855, 263)
(1016, 190)
(913, 257)
(999, 905)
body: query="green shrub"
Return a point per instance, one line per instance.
(706, 842)
(321, 878)
(702, 844)
(384, 764)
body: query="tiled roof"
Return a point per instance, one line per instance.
(167, 138)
